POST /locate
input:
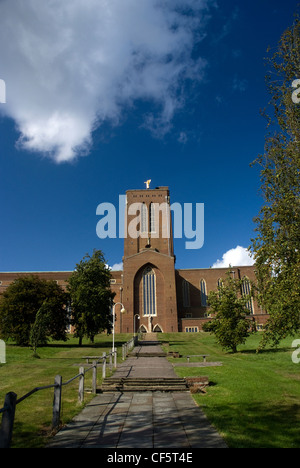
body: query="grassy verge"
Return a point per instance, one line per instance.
(254, 399)
(23, 372)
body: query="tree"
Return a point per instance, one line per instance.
(276, 247)
(38, 332)
(21, 302)
(91, 296)
(230, 323)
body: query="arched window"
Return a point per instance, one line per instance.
(186, 293)
(203, 292)
(149, 292)
(220, 286)
(246, 292)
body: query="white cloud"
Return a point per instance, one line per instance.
(240, 85)
(117, 267)
(235, 257)
(71, 65)
(183, 138)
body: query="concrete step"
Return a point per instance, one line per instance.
(149, 343)
(142, 354)
(153, 389)
(141, 385)
(154, 382)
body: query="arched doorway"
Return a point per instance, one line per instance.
(157, 329)
(148, 287)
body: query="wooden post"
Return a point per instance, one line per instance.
(81, 385)
(8, 417)
(115, 358)
(57, 401)
(94, 384)
(104, 366)
(110, 360)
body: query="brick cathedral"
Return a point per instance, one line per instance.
(157, 296)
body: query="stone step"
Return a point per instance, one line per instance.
(154, 389)
(153, 381)
(140, 385)
(141, 354)
(149, 343)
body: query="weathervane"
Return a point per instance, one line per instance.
(147, 183)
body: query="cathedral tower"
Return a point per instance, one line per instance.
(149, 287)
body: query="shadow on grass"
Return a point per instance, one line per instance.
(104, 344)
(73, 345)
(265, 351)
(257, 425)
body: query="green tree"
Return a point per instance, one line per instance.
(230, 323)
(91, 296)
(21, 302)
(276, 247)
(38, 332)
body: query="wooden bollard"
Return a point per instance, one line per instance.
(94, 383)
(57, 401)
(104, 366)
(81, 385)
(8, 417)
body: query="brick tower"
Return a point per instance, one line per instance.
(149, 287)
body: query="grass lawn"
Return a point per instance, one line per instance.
(253, 399)
(22, 373)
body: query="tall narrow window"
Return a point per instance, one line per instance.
(186, 293)
(152, 217)
(144, 218)
(149, 292)
(220, 286)
(246, 291)
(203, 293)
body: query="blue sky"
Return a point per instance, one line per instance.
(99, 101)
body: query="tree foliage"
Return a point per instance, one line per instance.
(276, 247)
(91, 296)
(21, 302)
(38, 332)
(230, 323)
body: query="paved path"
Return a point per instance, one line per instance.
(137, 366)
(140, 419)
